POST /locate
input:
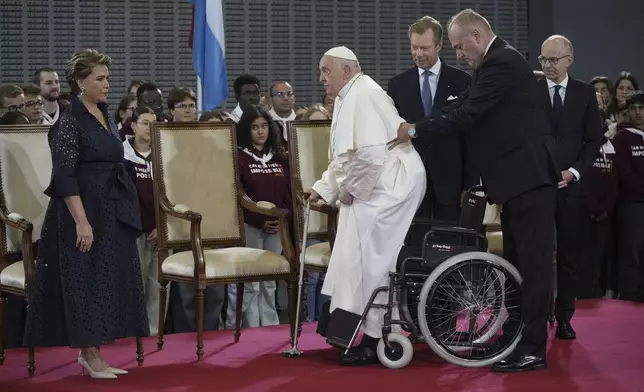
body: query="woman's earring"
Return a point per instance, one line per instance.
(81, 92)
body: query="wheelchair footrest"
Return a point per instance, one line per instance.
(341, 327)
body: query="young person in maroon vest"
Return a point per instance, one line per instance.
(629, 161)
(601, 200)
(263, 171)
(137, 154)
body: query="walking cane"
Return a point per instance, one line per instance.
(294, 351)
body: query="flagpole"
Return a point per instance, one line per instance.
(199, 97)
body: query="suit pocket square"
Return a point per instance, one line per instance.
(451, 98)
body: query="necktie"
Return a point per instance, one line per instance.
(557, 103)
(426, 93)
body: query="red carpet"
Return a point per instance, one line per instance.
(608, 356)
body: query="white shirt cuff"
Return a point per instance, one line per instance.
(575, 173)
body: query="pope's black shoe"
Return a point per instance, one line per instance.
(360, 355)
(522, 363)
(565, 331)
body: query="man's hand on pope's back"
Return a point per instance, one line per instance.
(403, 135)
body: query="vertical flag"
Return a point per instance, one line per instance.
(209, 50)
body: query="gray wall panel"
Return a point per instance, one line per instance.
(279, 39)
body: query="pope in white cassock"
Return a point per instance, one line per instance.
(379, 192)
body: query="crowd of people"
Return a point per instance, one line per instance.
(581, 192)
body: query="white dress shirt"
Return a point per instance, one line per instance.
(562, 90)
(236, 114)
(433, 78)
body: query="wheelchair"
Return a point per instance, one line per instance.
(449, 292)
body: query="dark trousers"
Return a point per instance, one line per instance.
(631, 251)
(432, 208)
(528, 223)
(593, 275)
(573, 231)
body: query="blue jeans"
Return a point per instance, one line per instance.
(312, 286)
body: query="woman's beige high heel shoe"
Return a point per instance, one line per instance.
(118, 372)
(103, 375)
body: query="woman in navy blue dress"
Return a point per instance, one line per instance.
(88, 290)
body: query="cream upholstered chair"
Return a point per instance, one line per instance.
(308, 159)
(199, 203)
(492, 224)
(25, 170)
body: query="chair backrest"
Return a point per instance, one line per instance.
(25, 172)
(195, 165)
(308, 158)
(492, 215)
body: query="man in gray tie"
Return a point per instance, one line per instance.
(423, 91)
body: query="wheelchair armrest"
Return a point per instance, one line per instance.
(431, 222)
(456, 231)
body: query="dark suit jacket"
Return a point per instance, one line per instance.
(507, 132)
(447, 179)
(578, 131)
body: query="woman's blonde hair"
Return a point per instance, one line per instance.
(81, 65)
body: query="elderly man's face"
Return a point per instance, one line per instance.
(555, 59)
(332, 75)
(467, 45)
(424, 49)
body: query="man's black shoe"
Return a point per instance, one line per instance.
(520, 364)
(565, 331)
(360, 355)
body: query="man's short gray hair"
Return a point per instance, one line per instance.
(468, 18)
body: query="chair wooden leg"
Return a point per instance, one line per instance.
(199, 304)
(139, 351)
(163, 292)
(3, 300)
(238, 311)
(31, 365)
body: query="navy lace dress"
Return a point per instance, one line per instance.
(86, 299)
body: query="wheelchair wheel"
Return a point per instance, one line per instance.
(400, 354)
(469, 309)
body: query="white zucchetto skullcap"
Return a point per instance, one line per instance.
(341, 52)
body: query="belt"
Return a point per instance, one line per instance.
(121, 188)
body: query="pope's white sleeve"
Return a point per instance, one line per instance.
(376, 122)
(327, 186)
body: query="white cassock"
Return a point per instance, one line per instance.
(388, 187)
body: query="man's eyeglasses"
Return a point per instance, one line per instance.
(552, 60)
(186, 106)
(284, 94)
(34, 104)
